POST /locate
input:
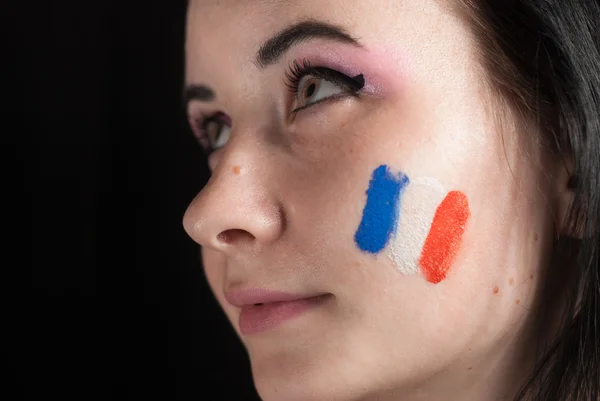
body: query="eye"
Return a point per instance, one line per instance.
(212, 132)
(217, 132)
(312, 90)
(312, 85)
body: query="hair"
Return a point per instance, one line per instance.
(543, 58)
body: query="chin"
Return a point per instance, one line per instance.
(307, 376)
(318, 386)
(293, 375)
(301, 387)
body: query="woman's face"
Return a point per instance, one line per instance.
(360, 166)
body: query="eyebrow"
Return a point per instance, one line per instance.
(197, 92)
(275, 47)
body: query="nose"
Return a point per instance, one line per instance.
(236, 209)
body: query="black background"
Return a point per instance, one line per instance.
(103, 296)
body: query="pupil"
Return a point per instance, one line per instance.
(311, 90)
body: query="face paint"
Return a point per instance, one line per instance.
(445, 236)
(416, 215)
(380, 215)
(427, 224)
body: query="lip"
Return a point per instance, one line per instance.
(262, 310)
(252, 296)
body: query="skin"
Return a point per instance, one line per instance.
(286, 197)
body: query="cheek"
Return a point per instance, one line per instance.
(417, 224)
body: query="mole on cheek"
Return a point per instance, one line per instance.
(237, 170)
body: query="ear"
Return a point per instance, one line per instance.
(566, 182)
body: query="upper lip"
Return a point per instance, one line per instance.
(252, 296)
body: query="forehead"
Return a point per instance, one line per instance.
(222, 33)
(208, 18)
(259, 16)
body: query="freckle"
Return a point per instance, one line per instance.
(470, 368)
(236, 170)
(496, 290)
(518, 301)
(531, 276)
(535, 237)
(511, 281)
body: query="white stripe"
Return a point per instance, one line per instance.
(419, 202)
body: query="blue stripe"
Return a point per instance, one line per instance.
(380, 215)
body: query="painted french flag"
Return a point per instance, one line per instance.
(416, 222)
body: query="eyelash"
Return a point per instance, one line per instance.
(298, 70)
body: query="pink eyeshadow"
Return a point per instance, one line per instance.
(383, 73)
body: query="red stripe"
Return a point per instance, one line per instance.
(445, 236)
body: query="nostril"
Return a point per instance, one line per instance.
(232, 236)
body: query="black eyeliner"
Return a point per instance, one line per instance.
(298, 71)
(360, 80)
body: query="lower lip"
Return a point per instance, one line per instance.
(260, 318)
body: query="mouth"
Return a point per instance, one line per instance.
(261, 317)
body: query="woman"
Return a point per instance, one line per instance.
(405, 194)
